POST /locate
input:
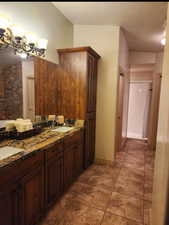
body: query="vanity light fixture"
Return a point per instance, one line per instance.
(163, 40)
(14, 36)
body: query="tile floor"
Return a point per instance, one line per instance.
(110, 195)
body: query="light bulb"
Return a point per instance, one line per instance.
(4, 21)
(163, 41)
(31, 38)
(42, 43)
(23, 55)
(17, 30)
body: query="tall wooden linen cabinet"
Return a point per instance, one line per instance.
(80, 87)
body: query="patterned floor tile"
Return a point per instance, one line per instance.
(126, 206)
(129, 187)
(147, 213)
(148, 190)
(117, 194)
(83, 215)
(110, 219)
(90, 195)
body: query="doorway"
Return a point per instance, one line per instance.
(139, 109)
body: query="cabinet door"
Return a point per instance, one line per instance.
(89, 150)
(68, 166)
(33, 195)
(78, 160)
(54, 180)
(10, 206)
(92, 83)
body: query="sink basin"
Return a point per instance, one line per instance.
(8, 151)
(63, 129)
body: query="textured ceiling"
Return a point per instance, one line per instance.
(141, 21)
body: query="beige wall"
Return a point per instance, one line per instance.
(161, 176)
(123, 52)
(137, 57)
(141, 76)
(45, 20)
(159, 62)
(105, 40)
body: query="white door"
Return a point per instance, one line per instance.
(30, 98)
(139, 103)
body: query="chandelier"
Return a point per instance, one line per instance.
(23, 43)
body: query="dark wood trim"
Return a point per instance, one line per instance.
(79, 49)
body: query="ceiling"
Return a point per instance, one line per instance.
(142, 21)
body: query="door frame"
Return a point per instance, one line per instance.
(120, 142)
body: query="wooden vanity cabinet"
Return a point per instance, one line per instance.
(22, 191)
(73, 157)
(70, 89)
(30, 186)
(33, 196)
(10, 205)
(78, 86)
(53, 173)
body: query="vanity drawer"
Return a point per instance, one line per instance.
(55, 150)
(21, 167)
(73, 139)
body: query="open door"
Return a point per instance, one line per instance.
(30, 97)
(119, 112)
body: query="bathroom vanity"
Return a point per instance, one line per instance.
(32, 181)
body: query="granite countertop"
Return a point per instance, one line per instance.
(32, 144)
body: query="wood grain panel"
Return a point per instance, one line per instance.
(70, 89)
(74, 65)
(48, 87)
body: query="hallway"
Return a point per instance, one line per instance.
(110, 195)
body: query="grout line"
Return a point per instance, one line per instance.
(139, 222)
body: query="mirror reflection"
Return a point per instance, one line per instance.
(17, 95)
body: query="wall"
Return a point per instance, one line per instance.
(124, 67)
(105, 41)
(154, 110)
(123, 52)
(141, 76)
(45, 20)
(137, 57)
(12, 107)
(159, 62)
(161, 174)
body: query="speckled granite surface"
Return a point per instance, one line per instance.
(35, 143)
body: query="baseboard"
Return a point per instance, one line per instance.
(123, 143)
(133, 135)
(104, 162)
(137, 139)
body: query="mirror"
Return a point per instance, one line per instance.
(17, 95)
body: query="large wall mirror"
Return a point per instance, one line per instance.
(17, 92)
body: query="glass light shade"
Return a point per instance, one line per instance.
(23, 55)
(31, 38)
(42, 43)
(17, 30)
(4, 21)
(163, 41)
